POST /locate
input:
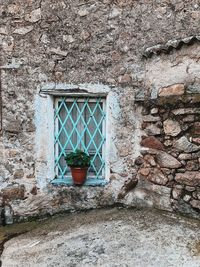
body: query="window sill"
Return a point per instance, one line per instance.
(88, 182)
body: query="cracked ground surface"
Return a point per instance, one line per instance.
(111, 237)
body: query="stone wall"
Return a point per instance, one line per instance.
(171, 151)
(94, 43)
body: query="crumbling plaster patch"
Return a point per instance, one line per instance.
(178, 67)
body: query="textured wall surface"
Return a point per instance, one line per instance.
(100, 42)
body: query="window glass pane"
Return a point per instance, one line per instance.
(93, 135)
(67, 138)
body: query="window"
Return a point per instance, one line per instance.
(80, 124)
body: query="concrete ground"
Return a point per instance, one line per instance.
(110, 238)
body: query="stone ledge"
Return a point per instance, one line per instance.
(88, 182)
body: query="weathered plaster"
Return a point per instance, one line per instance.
(178, 67)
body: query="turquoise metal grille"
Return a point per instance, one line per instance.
(80, 124)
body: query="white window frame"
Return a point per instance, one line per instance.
(44, 122)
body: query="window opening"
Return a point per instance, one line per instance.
(80, 124)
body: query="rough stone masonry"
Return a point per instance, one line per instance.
(145, 56)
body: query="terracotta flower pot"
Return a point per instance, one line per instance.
(79, 175)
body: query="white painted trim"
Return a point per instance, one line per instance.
(44, 140)
(44, 121)
(68, 88)
(106, 147)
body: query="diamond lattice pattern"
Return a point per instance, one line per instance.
(80, 124)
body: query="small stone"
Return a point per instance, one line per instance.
(195, 204)
(170, 177)
(195, 14)
(14, 127)
(111, 81)
(192, 165)
(190, 188)
(124, 48)
(13, 8)
(179, 186)
(13, 153)
(13, 192)
(196, 155)
(196, 140)
(188, 118)
(140, 95)
(193, 89)
(154, 110)
(18, 174)
(139, 160)
(181, 170)
(8, 43)
(191, 178)
(34, 190)
(123, 174)
(150, 160)
(149, 118)
(182, 144)
(152, 129)
(129, 185)
(175, 89)
(166, 171)
(58, 75)
(8, 214)
(144, 171)
(176, 193)
(168, 143)
(182, 111)
(13, 64)
(85, 35)
(165, 160)
(44, 39)
(152, 142)
(68, 38)
(9, 167)
(116, 57)
(184, 156)
(34, 16)
(115, 13)
(183, 162)
(23, 30)
(83, 12)
(112, 177)
(194, 194)
(157, 177)
(187, 198)
(58, 51)
(3, 31)
(171, 127)
(196, 129)
(118, 69)
(126, 78)
(124, 150)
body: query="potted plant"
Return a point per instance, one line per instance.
(78, 162)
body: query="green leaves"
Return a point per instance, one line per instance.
(78, 159)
